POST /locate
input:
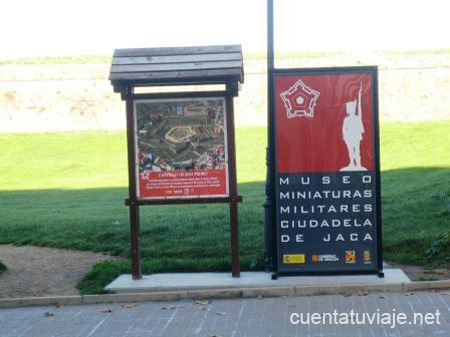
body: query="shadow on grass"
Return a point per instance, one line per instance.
(416, 213)
(173, 238)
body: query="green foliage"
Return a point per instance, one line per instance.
(101, 274)
(440, 248)
(2, 267)
(104, 272)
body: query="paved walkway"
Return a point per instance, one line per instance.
(247, 317)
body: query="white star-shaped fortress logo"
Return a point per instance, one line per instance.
(300, 100)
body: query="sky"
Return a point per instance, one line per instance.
(50, 28)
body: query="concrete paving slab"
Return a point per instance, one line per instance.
(261, 317)
(204, 281)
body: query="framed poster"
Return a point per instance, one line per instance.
(181, 148)
(328, 213)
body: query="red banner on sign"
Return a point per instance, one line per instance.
(183, 183)
(324, 123)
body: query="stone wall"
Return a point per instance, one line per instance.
(53, 98)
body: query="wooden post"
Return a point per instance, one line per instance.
(132, 191)
(232, 181)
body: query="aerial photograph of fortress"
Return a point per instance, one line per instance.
(181, 134)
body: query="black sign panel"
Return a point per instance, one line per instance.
(328, 214)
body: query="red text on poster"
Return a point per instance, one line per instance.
(182, 183)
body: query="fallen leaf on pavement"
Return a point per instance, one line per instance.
(362, 292)
(171, 307)
(129, 305)
(202, 302)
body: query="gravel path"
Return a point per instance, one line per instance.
(39, 271)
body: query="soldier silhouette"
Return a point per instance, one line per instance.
(352, 132)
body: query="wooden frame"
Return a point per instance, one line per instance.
(124, 81)
(197, 194)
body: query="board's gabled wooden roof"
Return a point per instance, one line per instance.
(153, 66)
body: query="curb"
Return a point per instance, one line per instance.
(223, 294)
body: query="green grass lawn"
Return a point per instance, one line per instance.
(68, 189)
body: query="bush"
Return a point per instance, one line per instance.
(2, 267)
(440, 249)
